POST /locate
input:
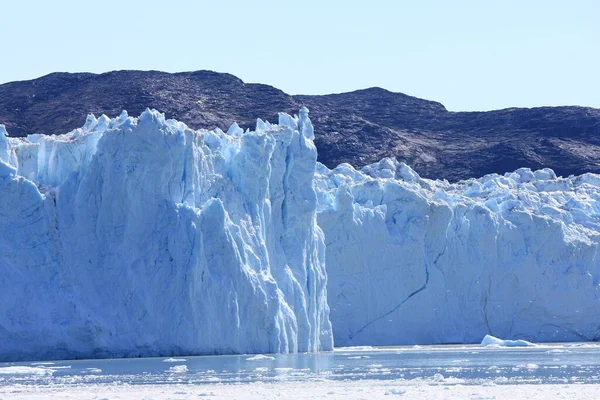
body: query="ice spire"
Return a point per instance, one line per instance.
(5, 148)
(304, 125)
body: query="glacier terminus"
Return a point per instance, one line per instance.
(142, 237)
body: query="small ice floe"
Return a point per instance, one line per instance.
(395, 391)
(174, 360)
(178, 369)
(22, 370)
(552, 351)
(438, 378)
(355, 348)
(283, 370)
(260, 357)
(491, 341)
(529, 366)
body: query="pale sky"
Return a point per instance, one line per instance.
(466, 54)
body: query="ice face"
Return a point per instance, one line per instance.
(411, 260)
(141, 237)
(7, 154)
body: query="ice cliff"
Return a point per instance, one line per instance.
(412, 260)
(141, 237)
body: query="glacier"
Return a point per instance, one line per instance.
(141, 237)
(417, 261)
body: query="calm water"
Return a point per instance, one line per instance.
(566, 363)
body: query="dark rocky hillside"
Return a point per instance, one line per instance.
(358, 127)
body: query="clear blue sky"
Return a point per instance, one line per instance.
(467, 54)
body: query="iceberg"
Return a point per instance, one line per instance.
(141, 237)
(418, 261)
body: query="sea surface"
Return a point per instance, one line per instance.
(571, 363)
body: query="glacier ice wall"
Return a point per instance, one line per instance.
(412, 260)
(141, 237)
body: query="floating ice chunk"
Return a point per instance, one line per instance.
(395, 391)
(438, 378)
(22, 370)
(354, 348)
(491, 341)
(178, 369)
(530, 366)
(283, 370)
(259, 357)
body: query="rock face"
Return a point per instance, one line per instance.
(141, 237)
(416, 261)
(359, 127)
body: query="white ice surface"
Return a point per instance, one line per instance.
(413, 260)
(142, 237)
(352, 390)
